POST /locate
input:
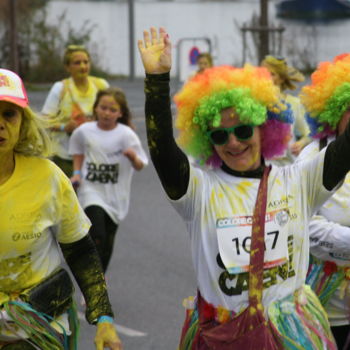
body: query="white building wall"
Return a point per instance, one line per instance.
(218, 21)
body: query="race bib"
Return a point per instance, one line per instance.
(234, 238)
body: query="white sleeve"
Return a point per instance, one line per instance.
(51, 105)
(133, 141)
(329, 240)
(191, 203)
(107, 84)
(311, 182)
(76, 142)
(311, 150)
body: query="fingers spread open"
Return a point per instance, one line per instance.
(146, 38)
(140, 45)
(162, 32)
(154, 36)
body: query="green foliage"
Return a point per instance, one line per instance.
(41, 44)
(48, 45)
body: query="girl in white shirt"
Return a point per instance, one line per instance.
(105, 153)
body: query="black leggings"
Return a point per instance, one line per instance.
(102, 231)
(340, 334)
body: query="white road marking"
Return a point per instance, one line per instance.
(121, 329)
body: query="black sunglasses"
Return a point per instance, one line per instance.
(220, 136)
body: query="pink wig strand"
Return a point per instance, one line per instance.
(275, 136)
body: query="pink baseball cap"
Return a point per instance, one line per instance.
(12, 88)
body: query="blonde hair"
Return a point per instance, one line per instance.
(33, 139)
(288, 74)
(70, 49)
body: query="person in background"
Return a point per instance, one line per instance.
(285, 77)
(41, 215)
(247, 222)
(204, 61)
(327, 103)
(69, 102)
(105, 154)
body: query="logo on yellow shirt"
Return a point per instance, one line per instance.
(25, 236)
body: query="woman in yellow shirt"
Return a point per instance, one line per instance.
(69, 102)
(39, 214)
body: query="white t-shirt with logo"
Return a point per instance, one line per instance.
(106, 172)
(218, 209)
(330, 238)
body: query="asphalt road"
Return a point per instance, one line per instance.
(151, 269)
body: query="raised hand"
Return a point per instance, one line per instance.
(155, 51)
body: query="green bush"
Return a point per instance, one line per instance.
(41, 45)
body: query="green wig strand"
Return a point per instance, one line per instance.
(249, 110)
(336, 106)
(208, 113)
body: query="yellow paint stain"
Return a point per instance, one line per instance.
(278, 182)
(243, 187)
(234, 201)
(253, 311)
(216, 198)
(223, 315)
(151, 123)
(16, 273)
(345, 205)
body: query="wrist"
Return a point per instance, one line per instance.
(105, 319)
(158, 76)
(77, 172)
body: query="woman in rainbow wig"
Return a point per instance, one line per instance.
(327, 101)
(247, 222)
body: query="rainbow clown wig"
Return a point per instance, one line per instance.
(328, 96)
(250, 91)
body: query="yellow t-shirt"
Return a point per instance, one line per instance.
(38, 207)
(65, 100)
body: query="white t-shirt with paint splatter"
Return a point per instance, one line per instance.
(218, 208)
(106, 172)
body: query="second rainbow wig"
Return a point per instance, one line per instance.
(249, 90)
(328, 96)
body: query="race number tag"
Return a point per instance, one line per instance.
(234, 238)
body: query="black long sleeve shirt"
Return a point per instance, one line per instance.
(84, 262)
